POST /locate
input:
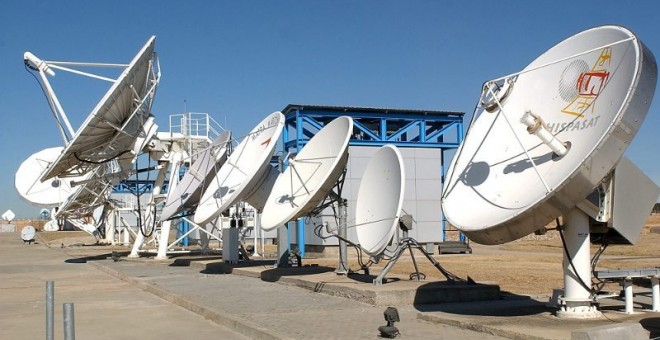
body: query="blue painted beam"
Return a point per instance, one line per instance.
(357, 115)
(404, 130)
(360, 127)
(441, 132)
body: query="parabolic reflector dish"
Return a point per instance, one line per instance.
(28, 233)
(49, 193)
(591, 92)
(310, 176)
(198, 177)
(114, 124)
(244, 171)
(379, 200)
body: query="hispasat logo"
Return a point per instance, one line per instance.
(579, 86)
(588, 85)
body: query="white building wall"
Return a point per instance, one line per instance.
(423, 189)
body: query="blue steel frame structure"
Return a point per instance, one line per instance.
(374, 127)
(131, 186)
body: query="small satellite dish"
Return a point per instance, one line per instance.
(188, 191)
(51, 226)
(28, 233)
(560, 128)
(246, 175)
(49, 193)
(310, 176)
(117, 120)
(8, 215)
(44, 214)
(379, 200)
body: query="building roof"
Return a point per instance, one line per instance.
(292, 107)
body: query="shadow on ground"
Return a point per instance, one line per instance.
(652, 325)
(83, 259)
(275, 274)
(478, 300)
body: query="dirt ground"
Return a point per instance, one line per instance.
(530, 266)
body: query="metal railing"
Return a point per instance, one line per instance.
(194, 124)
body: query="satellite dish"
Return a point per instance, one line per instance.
(246, 175)
(8, 215)
(310, 176)
(560, 127)
(49, 193)
(116, 122)
(44, 214)
(28, 233)
(51, 226)
(379, 200)
(188, 191)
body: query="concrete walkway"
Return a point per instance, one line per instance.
(105, 307)
(191, 297)
(138, 300)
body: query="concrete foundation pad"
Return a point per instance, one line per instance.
(359, 287)
(629, 331)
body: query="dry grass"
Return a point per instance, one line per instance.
(531, 265)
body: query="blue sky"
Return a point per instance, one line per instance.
(242, 60)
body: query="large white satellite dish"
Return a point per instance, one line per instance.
(555, 131)
(246, 175)
(49, 193)
(379, 200)
(188, 191)
(113, 126)
(310, 176)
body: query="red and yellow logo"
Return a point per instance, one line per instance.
(589, 85)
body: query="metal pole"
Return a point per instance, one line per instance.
(50, 311)
(256, 230)
(300, 227)
(342, 266)
(110, 222)
(443, 221)
(577, 241)
(69, 322)
(628, 292)
(282, 246)
(577, 302)
(655, 284)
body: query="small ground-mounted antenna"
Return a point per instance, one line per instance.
(28, 233)
(379, 200)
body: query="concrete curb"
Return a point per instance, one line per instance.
(478, 328)
(241, 326)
